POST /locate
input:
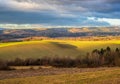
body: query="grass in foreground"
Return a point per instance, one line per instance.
(98, 77)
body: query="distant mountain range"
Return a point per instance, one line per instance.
(60, 32)
(95, 29)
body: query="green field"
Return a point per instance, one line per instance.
(51, 48)
(108, 76)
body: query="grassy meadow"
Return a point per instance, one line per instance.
(51, 48)
(107, 76)
(52, 75)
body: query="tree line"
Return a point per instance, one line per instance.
(97, 58)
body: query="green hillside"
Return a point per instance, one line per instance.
(51, 48)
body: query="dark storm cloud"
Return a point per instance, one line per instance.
(112, 1)
(58, 12)
(34, 18)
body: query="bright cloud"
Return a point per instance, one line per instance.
(112, 22)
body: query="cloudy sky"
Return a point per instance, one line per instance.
(57, 13)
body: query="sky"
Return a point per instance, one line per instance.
(59, 13)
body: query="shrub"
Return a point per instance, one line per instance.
(4, 65)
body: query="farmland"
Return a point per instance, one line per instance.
(51, 48)
(62, 76)
(57, 48)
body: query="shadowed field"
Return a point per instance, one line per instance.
(51, 48)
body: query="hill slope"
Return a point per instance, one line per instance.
(51, 48)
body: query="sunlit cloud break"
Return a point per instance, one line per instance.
(20, 26)
(112, 22)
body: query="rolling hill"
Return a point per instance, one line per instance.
(51, 48)
(59, 32)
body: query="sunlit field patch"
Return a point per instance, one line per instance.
(52, 48)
